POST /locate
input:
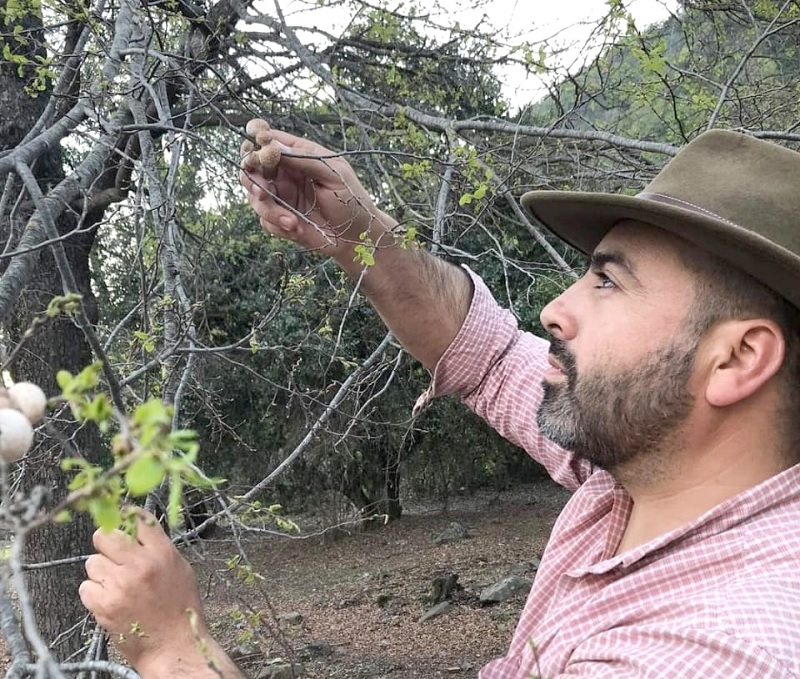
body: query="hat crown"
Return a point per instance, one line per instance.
(734, 177)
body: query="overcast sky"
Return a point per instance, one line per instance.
(561, 13)
(565, 23)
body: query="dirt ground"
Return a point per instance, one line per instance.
(349, 606)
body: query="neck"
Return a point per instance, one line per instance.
(693, 479)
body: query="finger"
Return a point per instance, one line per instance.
(91, 595)
(261, 197)
(253, 179)
(281, 230)
(250, 162)
(117, 546)
(256, 185)
(246, 180)
(95, 599)
(99, 568)
(308, 158)
(148, 530)
(246, 147)
(272, 213)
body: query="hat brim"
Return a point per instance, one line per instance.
(582, 220)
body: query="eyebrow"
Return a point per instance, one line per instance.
(600, 259)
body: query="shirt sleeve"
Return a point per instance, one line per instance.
(496, 370)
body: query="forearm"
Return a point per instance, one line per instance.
(422, 299)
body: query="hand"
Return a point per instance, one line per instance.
(144, 593)
(305, 193)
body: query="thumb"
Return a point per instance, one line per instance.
(148, 529)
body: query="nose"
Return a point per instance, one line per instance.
(558, 318)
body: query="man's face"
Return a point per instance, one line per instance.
(622, 352)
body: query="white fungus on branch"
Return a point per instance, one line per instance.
(16, 434)
(29, 399)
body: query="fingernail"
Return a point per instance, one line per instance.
(285, 222)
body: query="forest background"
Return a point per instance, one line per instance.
(183, 346)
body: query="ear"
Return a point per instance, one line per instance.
(744, 356)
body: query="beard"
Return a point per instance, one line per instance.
(613, 416)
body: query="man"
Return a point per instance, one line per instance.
(671, 377)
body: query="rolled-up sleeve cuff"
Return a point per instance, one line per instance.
(486, 335)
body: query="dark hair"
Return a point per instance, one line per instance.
(726, 292)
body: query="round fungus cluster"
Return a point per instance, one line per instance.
(21, 406)
(265, 154)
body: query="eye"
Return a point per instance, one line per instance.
(603, 281)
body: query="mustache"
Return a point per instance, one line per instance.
(559, 351)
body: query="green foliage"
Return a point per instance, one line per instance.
(63, 305)
(664, 83)
(534, 57)
(147, 452)
(365, 250)
(18, 48)
(243, 571)
(394, 55)
(14, 10)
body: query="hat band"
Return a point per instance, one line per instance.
(684, 204)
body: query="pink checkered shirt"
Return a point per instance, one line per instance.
(716, 599)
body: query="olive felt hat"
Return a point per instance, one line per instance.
(729, 193)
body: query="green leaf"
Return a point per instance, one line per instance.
(144, 475)
(174, 502)
(105, 513)
(98, 410)
(364, 254)
(70, 463)
(152, 411)
(185, 440)
(89, 377)
(153, 419)
(64, 379)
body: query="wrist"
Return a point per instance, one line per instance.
(200, 658)
(373, 239)
(379, 231)
(183, 648)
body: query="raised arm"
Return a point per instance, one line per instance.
(306, 194)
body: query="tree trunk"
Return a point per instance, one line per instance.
(57, 345)
(391, 505)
